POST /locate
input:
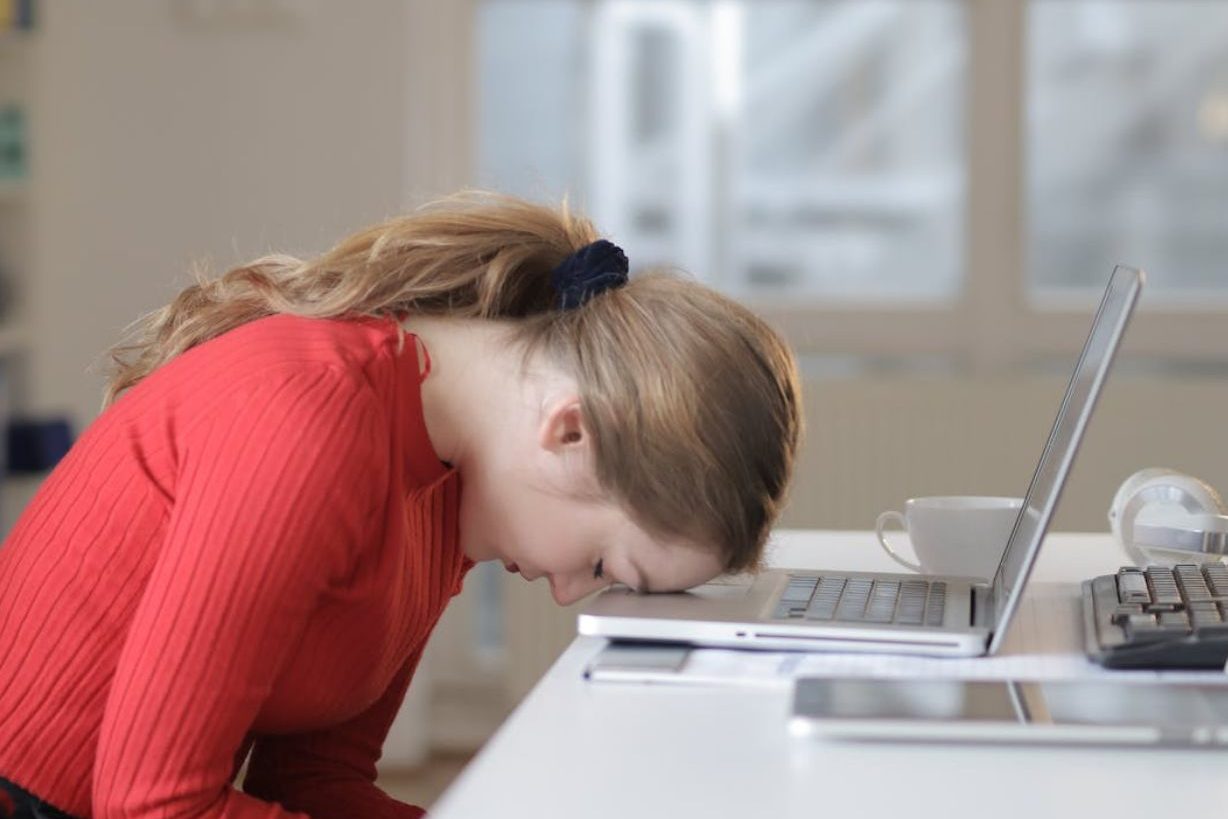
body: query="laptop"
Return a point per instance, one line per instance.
(882, 612)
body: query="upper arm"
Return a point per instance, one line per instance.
(272, 502)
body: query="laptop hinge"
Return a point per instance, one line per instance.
(982, 604)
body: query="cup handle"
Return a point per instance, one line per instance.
(879, 525)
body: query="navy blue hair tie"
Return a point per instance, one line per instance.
(589, 271)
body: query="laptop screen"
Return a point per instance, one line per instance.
(1041, 499)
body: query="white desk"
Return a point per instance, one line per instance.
(579, 749)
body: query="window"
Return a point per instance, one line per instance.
(1128, 144)
(784, 148)
(953, 178)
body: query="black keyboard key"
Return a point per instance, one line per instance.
(1123, 612)
(1204, 613)
(1217, 579)
(1217, 631)
(1164, 592)
(1174, 622)
(1193, 586)
(1143, 628)
(1132, 587)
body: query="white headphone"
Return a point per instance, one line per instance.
(1161, 516)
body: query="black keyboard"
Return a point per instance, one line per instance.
(1158, 617)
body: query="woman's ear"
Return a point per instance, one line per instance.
(562, 427)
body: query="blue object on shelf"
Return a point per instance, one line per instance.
(37, 445)
(12, 142)
(25, 14)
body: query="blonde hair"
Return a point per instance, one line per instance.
(692, 401)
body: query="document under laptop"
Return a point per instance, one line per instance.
(881, 612)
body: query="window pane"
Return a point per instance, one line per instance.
(1128, 145)
(790, 148)
(531, 89)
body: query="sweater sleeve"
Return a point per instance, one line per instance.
(330, 774)
(273, 499)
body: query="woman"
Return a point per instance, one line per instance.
(299, 462)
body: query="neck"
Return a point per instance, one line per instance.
(475, 372)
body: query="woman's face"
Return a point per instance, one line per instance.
(539, 509)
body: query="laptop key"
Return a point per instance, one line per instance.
(804, 580)
(823, 606)
(853, 603)
(786, 611)
(912, 603)
(797, 594)
(882, 602)
(935, 609)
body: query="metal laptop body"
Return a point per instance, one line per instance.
(977, 614)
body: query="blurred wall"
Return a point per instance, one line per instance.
(874, 441)
(161, 136)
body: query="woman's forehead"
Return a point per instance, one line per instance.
(671, 564)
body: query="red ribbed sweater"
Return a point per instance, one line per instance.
(247, 551)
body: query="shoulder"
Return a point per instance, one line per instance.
(275, 347)
(303, 366)
(281, 339)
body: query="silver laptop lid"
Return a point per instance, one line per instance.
(1050, 475)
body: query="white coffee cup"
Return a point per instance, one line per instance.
(961, 535)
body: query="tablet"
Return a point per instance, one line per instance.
(1076, 712)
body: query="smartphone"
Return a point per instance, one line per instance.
(1053, 712)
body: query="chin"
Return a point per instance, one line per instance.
(478, 551)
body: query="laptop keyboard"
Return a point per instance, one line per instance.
(1158, 617)
(862, 600)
